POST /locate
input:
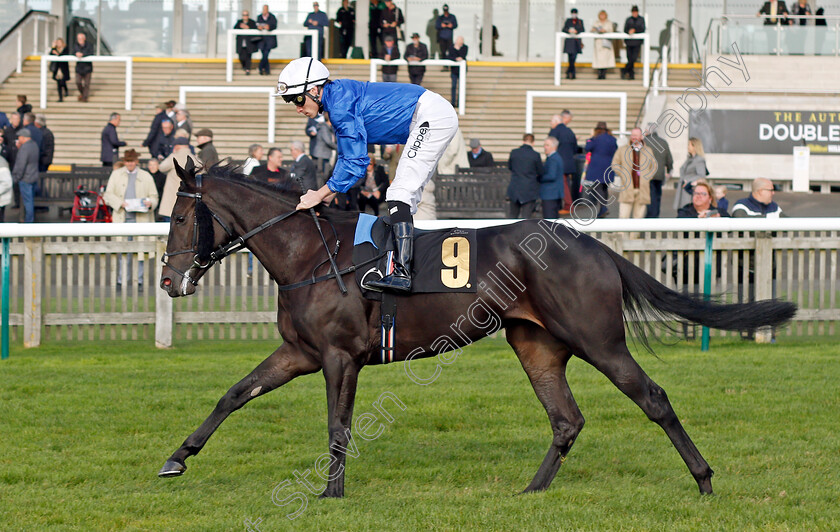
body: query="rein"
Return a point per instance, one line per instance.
(238, 243)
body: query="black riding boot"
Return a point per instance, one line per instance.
(400, 280)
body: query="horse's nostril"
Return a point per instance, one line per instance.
(167, 281)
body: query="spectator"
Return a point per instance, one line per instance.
(166, 139)
(6, 187)
(183, 134)
(602, 146)
(246, 45)
(182, 121)
(180, 154)
(664, 167)
(207, 154)
(376, 7)
(4, 120)
(132, 196)
(325, 145)
(392, 21)
(567, 147)
(603, 57)
(693, 168)
(432, 34)
(153, 136)
(414, 53)
(23, 107)
(759, 204)
(84, 69)
(312, 132)
(702, 204)
(345, 21)
(572, 47)
(633, 25)
(110, 142)
(60, 69)
(272, 171)
(526, 169)
(373, 187)
(390, 52)
(10, 139)
(802, 8)
(722, 202)
(551, 182)
(392, 154)
(454, 156)
(457, 52)
(445, 26)
(303, 169)
(266, 21)
(25, 172)
(153, 167)
(773, 8)
(479, 157)
(170, 109)
(427, 207)
(35, 133)
(495, 38)
(47, 146)
(634, 164)
(255, 155)
(316, 20)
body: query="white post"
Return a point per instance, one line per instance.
(622, 112)
(462, 87)
(372, 70)
(229, 62)
(529, 112)
(315, 43)
(272, 109)
(801, 169)
(19, 68)
(35, 22)
(129, 72)
(665, 52)
(558, 47)
(44, 82)
(646, 67)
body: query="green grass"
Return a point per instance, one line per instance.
(86, 426)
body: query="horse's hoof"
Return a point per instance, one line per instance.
(172, 468)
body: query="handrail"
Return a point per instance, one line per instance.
(558, 50)
(22, 20)
(13, 50)
(88, 59)
(184, 89)
(231, 34)
(462, 81)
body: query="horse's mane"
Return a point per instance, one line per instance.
(286, 191)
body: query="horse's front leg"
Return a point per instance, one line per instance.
(341, 374)
(280, 367)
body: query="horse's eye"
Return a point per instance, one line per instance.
(179, 220)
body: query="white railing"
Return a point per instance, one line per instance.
(50, 295)
(462, 80)
(558, 50)
(33, 36)
(231, 40)
(46, 59)
(620, 96)
(272, 106)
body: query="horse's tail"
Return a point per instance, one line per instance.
(645, 298)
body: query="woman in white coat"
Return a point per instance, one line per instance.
(604, 56)
(5, 188)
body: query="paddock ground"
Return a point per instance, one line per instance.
(86, 426)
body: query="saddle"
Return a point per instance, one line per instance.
(444, 261)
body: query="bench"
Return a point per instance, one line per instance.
(472, 193)
(58, 188)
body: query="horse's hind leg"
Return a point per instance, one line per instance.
(280, 367)
(544, 359)
(620, 367)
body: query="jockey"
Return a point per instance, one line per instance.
(375, 113)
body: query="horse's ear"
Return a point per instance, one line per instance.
(187, 173)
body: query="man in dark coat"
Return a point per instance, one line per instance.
(272, 171)
(390, 52)
(316, 20)
(633, 25)
(207, 153)
(166, 140)
(246, 45)
(84, 69)
(10, 139)
(303, 168)
(25, 173)
(664, 167)
(48, 144)
(37, 134)
(780, 9)
(456, 52)
(567, 148)
(526, 169)
(376, 8)
(415, 52)
(392, 20)
(111, 143)
(478, 156)
(445, 26)
(345, 19)
(154, 130)
(572, 47)
(268, 22)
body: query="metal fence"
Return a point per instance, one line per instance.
(66, 287)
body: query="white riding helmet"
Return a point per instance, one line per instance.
(299, 76)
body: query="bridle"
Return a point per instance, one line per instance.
(232, 246)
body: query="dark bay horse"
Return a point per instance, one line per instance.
(555, 297)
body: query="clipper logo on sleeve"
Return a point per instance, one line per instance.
(418, 140)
